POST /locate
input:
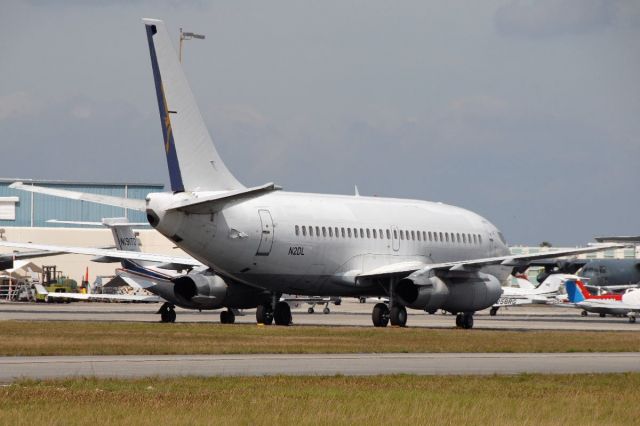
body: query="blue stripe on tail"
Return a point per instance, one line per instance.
(165, 119)
(573, 291)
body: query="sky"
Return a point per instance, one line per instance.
(524, 111)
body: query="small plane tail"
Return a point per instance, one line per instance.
(194, 163)
(576, 291)
(123, 234)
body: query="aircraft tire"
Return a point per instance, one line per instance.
(380, 315)
(632, 319)
(264, 314)
(398, 316)
(282, 314)
(584, 313)
(310, 310)
(326, 311)
(493, 311)
(168, 315)
(467, 320)
(227, 317)
(602, 315)
(459, 320)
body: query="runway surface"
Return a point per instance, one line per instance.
(12, 368)
(349, 313)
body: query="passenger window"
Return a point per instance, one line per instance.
(413, 235)
(342, 232)
(368, 233)
(458, 238)
(418, 235)
(464, 238)
(474, 239)
(401, 234)
(361, 233)
(317, 231)
(297, 230)
(331, 232)
(446, 236)
(324, 231)
(337, 234)
(304, 231)
(441, 238)
(375, 234)
(480, 238)
(429, 234)
(349, 232)
(424, 236)
(395, 234)
(355, 232)
(311, 231)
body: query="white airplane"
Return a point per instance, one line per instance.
(418, 254)
(527, 294)
(627, 303)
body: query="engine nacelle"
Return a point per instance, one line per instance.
(427, 294)
(209, 291)
(200, 290)
(454, 294)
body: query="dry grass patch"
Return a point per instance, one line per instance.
(100, 338)
(524, 399)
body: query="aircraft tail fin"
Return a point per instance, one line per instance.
(576, 291)
(123, 234)
(194, 163)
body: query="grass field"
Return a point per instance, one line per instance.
(526, 399)
(101, 338)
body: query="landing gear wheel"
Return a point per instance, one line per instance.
(167, 313)
(264, 314)
(398, 316)
(227, 317)
(632, 319)
(467, 320)
(282, 314)
(310, 310)
(459, 320)
(326, 310)
(584, 313)
(494, 311)
(603, 315)
(380, 315)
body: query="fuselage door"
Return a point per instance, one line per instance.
(395, 238)
(266, 236)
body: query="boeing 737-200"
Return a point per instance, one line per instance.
(422, 255)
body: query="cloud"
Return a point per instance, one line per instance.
(546, 18)
(19, 104)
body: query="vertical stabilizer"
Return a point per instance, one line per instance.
(575, 291)
(194, 163)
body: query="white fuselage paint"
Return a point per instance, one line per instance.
(234, 243)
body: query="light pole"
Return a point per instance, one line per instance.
(187, 36)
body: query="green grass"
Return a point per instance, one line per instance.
(100, 338)
(606, 399)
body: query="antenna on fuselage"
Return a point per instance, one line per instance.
(357, 194)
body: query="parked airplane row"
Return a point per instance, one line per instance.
(248, 246)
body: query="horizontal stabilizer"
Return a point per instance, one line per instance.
(215, 202)
(125, 203)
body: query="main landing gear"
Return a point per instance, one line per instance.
(382, 314)
(464, 320)
(494, 311)
(167, 312)
(266, 314)
(227, 317)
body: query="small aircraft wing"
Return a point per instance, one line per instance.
(607, 304)
(7, 259)
(116, 254)
(216, 201)
(106, 297)
(127, 203)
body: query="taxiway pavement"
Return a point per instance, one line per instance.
(12, 368)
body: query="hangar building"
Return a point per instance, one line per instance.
(24, 216)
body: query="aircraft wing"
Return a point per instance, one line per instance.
(117, 254)
(474, 265)
(6, 260)
(606, 304)
(127, 203)
(106, 297)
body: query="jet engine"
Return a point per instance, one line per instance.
(209, 291)
(454, 294)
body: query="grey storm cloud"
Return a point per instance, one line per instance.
(542, 18)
